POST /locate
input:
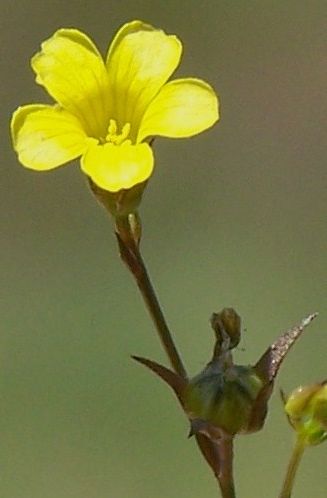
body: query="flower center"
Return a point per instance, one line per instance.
(114, 137)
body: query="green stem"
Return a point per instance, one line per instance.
(293, 465)
(219, 455)
(128, 233)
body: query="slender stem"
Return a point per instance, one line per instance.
(219, 455)
(226, 480)
(130, 254)
(293, 465)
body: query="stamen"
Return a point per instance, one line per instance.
(113, 136)
(112, 129)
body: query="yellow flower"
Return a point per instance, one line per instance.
(107, 111)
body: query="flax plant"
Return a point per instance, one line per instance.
(107, 112)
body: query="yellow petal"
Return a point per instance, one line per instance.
(126, 29)
(182, 108)
(73, 72)
(114, 168)
(140, 60)
(46, 137)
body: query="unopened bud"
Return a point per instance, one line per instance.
(306, 408)
(227, 325)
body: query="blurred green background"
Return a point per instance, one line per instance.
(233, 217)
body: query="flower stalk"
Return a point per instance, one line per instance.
(127, 232)
(293, 465)
(226, 480)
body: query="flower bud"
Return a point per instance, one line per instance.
(227, 323)
(306, 408)
(224, 398)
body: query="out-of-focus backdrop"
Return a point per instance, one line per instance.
(233, 217)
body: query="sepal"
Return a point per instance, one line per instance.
(119, 204)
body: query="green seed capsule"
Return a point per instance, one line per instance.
(224, 398)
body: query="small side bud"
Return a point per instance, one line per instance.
(227, 326)
(306, 408)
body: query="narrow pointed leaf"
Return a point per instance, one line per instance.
(209, 448)
(176, 382)
(271, 360)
